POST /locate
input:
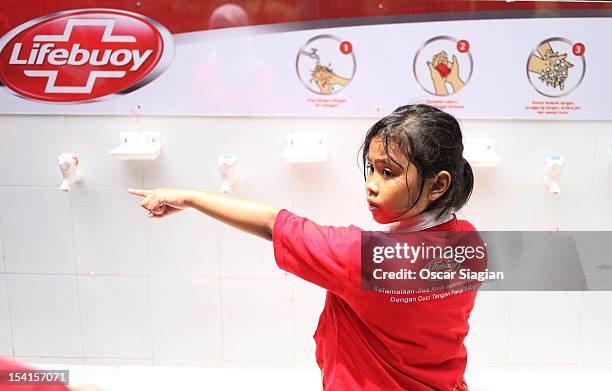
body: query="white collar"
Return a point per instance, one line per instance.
(420, 222)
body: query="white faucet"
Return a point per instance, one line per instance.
(227, 166)
(68, 163)
(552, 171)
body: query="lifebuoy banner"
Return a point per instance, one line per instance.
(498, 63)
(83, 55)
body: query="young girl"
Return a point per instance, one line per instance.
(415, 178)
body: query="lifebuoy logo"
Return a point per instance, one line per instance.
(83, 55)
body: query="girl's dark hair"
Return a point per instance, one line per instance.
(431, 140)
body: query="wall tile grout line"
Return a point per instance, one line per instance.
(148, 275)
(8, 299)
(149, 296)
(594, 161)
(177, 277)
(509, 330)
(74, 249)
(76, 277)
(579, 327)
(86, 358)
(220, 280)
(293, 288)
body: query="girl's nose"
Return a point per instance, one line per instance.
(371, 186)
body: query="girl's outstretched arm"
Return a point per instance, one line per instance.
(249, 216)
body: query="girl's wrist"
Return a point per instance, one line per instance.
(188, 197)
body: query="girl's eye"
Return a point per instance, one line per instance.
(385, 172)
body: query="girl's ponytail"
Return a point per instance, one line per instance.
(465, 190)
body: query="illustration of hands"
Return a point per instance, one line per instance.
(552, 67)
(325, 78)
(439, 70)
(442, 71)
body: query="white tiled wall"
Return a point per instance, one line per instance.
(186, 314)
(595, 337)
(45, 315)
(544, 327)
(86, 278)
(258, 319)
(116, 316)
(6, 337)
(37, 230)
(109, 232)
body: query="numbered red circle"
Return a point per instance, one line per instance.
(463, 46)
(346, 47)
(578, 49)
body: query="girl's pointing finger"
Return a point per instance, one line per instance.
(139, 192)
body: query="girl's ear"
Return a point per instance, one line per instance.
(439, 185)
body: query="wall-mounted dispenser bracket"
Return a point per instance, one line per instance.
(480, 152)
(305, 147)
(137, 146)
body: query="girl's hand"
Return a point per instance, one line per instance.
(162, 202)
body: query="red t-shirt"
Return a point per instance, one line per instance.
(364, 341)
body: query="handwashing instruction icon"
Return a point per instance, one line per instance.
(556, 66)
(326, 64)
(443, 65)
